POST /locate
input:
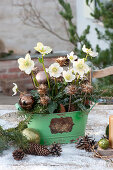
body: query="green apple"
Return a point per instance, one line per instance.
(32, 135)
(103, 143)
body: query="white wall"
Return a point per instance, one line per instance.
(83, 19)
(22, 38)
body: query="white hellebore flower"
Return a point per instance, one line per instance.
(89, 51)
(71, 57)
(26, 64)
(15, 89)
(80, 67)
(68, 76)
(42, 49)
(55, 70)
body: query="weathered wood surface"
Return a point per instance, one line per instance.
(71, 157)
(103, 72)
(106, 152)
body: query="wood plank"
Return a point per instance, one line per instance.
(7, 107)
(103, 72)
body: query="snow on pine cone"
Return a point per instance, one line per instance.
(71, 89)
(87, 88)
(63, 61)
(42, 89)
(44, 100)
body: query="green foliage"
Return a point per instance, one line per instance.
(3, 144)
(39, 109)
(74, 38)
(52, 106)
(13, 136)
(88, 2)
(67, 14)
(104, 13)
(106, 88)
(3, 141)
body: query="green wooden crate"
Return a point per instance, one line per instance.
(59, 127)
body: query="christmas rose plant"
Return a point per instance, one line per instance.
(65, 89)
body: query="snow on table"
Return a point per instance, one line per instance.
(71, 157)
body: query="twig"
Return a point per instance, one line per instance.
(98, 155)
(33, 18)
(69, 104)
(32, 81)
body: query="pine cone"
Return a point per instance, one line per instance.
(18, 154)
(71, 89)
(87, 88)
(36, 149)
(26, 101)
(85, 143)
(44, 100)
(63, 61)
(42, 89)
(55, 149)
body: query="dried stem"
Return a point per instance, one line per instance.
(45, 72)
(32, 81)
(69, 104)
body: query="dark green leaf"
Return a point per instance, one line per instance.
(52, 107)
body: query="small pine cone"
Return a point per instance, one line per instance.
(71, 89)
(56, 149)
(44, 100)
(86, 143)
(42, 89)
(18, 154)
(63, 61)
(36, 149)
(87, 88)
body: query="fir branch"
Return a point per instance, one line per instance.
(13, 137)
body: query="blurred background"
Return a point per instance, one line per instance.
(64, 25)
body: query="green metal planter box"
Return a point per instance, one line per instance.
(59, 127)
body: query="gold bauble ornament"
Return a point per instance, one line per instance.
(32, 135)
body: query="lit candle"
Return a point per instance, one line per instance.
(111, 131)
